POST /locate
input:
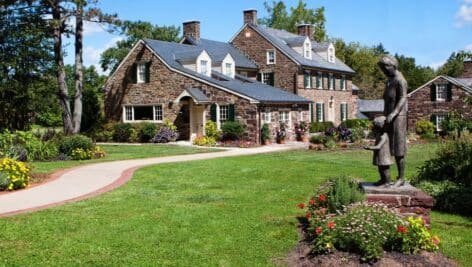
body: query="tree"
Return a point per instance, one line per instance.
(414, 74)
(454, 65)
(134, 31)
(280, 19)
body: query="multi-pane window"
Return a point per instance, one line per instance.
(331, 82)
(271, 57)
(438, 121)
(229, 69)
(331, 55)
(307, 50)
(267, 78)
(141, 72)
(224, 113)
(266, 116)
(204, 67)
(343, 82)
(319, 112)
(306, 80)
(343, 111)
(143, 113)
(319, 80)
(441, 92)
(284, 116)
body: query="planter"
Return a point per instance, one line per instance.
(281, 141)
(266, 142)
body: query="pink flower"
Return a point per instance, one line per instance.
(331, 225)
(312, 202)
(308, 215)
(318, 230)
(301, 205)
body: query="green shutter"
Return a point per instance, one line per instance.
(306, 76)
(334, 83)
(347, 111)
(433, 119)
(259, 77)
(449, 92)
(341, 107)
(213, 112)
(134, 73)
(312, 112)
(148, 71)
(231, 112)
(323, 108)
(433, 92)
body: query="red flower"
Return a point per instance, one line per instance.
(301, 205)
(322, 197)
(402, 229)
(435, 240)
(312, 202)
(331, 225)
(308, 215)
(318, 230)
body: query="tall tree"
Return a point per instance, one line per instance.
(414, 74)
(454, 65)
(280, 19)
(134, 31)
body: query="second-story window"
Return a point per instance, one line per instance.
(266, 78)
(306, 80)
(141, 73)
(270, 56)
(204, 67)
(229, 69)
(441, 92)
(343, 83)
(307, 50)
(319, 81)
(331, 82)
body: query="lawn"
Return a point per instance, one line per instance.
(236, 211)
(121, 152)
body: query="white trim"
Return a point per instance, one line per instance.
(267, 57)
(251, 100)
(331, 78)
(434, 79)
(123, 61)
(438, 122)
(341, 111)
(142, 105)
(436, 91)
(138, 72)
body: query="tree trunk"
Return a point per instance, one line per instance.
(60, 72)
(78, 66)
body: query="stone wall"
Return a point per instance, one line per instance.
(420, 106)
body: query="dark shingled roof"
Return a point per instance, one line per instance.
(198, 95)
(218, 50)
(375, 105)
(464, 83)
(240, 85)
(278, 37)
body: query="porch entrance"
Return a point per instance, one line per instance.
(191, 119)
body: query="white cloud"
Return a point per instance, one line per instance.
(92, 54)
(92, 27)
(464, 14)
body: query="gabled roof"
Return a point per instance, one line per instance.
(218, 50)
(198, 95)
(464, 83)
(278, 39)
(249, 89)
(188, 56)
(318, 47)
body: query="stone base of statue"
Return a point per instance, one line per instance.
(406, 200)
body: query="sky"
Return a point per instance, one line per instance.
(428, 30)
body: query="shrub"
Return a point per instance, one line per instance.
(357, 134)
(24, 146)
(146, 131)
(356, 123)
(170, 125)
(232, 130)
(455, 123)
(73, 142)
(317, 127)
(265, 132)
(81, 154)
(330, 142)
(339, 133)
(211, 130)
(204, 141)
(165, 135)
(341, 191)
(449, 196)
(424, 128)
(122, 132)
(14, 174)
(317, 139)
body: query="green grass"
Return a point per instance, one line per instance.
(121, 152)
(228, 212)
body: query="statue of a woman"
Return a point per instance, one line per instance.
(395, 111)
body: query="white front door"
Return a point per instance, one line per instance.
(197, 120)
(331, 111)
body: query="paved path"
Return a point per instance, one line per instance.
(93, 179)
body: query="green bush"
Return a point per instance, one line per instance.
(49, 119)
(25, 146)
(340, 191)
(317, 139)
(449, 196)
(123, 132)
(232, 130)
(330, 142)
(265, 132)
(455, 124)
(357, 134)
(146, 131)
(356, 123)
(424, 128)
(204, 141)
(70, 143)
(13, 174)
(317, 127)
(211, 130)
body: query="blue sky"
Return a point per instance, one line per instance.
(429, 30)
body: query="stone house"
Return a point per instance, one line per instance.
(191, 83)
(301, 66)
(443, 94)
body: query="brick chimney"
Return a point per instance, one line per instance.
(467, 69)
(192, 29)
(250, 16)
(305, 29)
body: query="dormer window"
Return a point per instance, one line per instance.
(229, 69)
(228, 66)
(270, 57)
(331, 56)
(307, 48)
(204, 67)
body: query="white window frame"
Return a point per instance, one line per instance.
(331, 55)
(140, 72)
(344, 111)
(265, 75)
(157, 111)
(308, 85)
(204, 70)
(307, 50)
(321, 117)
(285, 118)
(229, 69)
(439, 95)
(223, 114)
(439, 119)
(320, 77)
(331, 82)
(270, 60)
(343, 83)
(266, 116)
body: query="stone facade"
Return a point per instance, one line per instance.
(467, 69)
(164, 87)
(421, 106)
(289, 76)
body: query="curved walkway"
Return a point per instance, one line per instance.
(93, 179)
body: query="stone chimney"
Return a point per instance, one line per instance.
(250, 16)
(305, 29)
(192, 29)
(467, 69)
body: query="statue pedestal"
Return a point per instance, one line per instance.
(406, 200)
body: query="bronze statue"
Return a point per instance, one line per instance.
(382, 156)
(395, 111)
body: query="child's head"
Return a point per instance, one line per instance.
(379, 122)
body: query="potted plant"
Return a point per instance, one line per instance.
(281, 133)
(265, 134)
(300, 131)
